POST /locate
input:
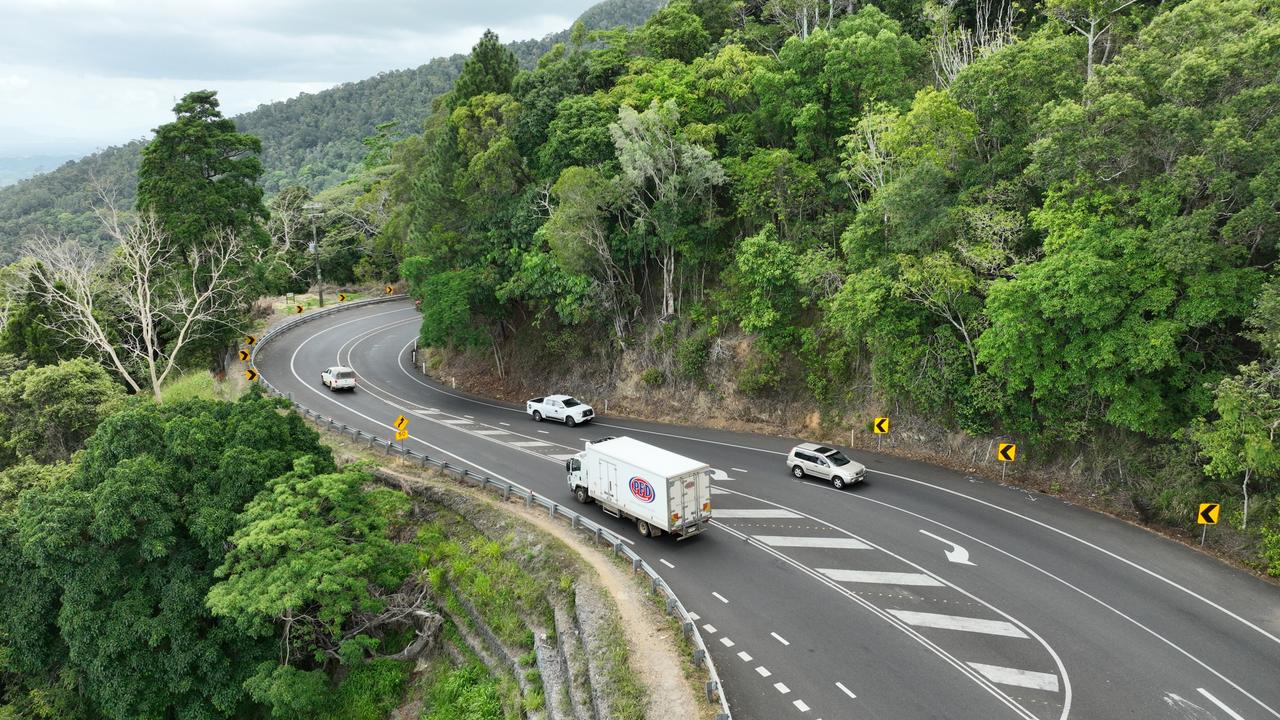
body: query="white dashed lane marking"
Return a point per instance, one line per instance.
(711, 629)
(880, 578)
(544, 432)
(957, 622)
(779, 638)
(693, 615)
(801, 706)
(754, 513)
(781, 688)
(744, 656)
(1020, 678)
(738, 470)
(764, 671)
(726, 642)
(673, 567)
(846, 691)
(505, 424)
(811, 542)
(720, 597)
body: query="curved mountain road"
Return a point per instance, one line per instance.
(831, 604)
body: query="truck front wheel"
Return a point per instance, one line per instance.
(643, 527)
(580, 494)
(537, 416)
(568, 420)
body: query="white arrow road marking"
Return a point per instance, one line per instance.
(880, 578)
(1219, 703)
(811, 542)
(956, 554)
(1014, 676)
(956, 622)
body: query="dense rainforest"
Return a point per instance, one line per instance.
(314, 140)
(1057, 224)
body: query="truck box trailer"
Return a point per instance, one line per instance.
(660, 490)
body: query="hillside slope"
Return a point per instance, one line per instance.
(312, 140)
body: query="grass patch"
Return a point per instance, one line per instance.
(201, 385)
(369, 692)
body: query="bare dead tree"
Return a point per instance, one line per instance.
(146, 302)
(955, 47)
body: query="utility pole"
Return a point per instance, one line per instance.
(314, 212)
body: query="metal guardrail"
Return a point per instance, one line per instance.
(507, 490)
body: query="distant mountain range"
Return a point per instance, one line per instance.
(13, 169)
(312, 140)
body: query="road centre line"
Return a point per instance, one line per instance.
(958, 622)
(720, 597)
(664, 562)
(846, 691)
(939, 488)
(1185, 653)
(779, 638)
(737, 469)
(878, 577)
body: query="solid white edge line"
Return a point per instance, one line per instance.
(1221, 705)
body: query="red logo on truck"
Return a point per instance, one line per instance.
(642, 489)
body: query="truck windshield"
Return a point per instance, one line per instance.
(570, 402)
(838, 459)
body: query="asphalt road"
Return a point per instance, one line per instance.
(840, 605)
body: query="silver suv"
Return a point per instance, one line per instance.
(825, 462)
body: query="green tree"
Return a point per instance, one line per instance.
(490, 68)
(313, 560)
(132, 540)
(675, 32)
(199, 174)
(48, 412)
(1243, 441)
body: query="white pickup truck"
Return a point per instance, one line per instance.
(559, 407)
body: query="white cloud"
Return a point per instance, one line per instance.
(80, 74)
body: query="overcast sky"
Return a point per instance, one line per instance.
(77, 75)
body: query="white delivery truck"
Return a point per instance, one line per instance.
(660, 490)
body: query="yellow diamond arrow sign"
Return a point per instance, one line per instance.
(880, 426)
(1008, 452)
(250, 340)
(342, 297)
(401, 423)
(1208, 514)
(389, 289)
(250, 374)
(297, 309)
(244, 355)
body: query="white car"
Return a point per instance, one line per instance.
(564, 408)
(827, 463)
(339, 378)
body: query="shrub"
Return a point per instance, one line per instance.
(653, 377)
(692, 354)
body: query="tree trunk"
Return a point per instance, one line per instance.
(428, 629)
(1244, 486)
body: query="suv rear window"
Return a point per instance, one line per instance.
(345, 375)
(800, 455)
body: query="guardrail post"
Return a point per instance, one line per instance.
(528, 500)
(635, 564)
(573, 521)
(653, 584)
(687, 628)
(552, 511)
(712, 688)
(617, 548)
(506, 492)
(671, 605)
(698, 656)
(597, 534)
(424, 459)
(372, 439)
